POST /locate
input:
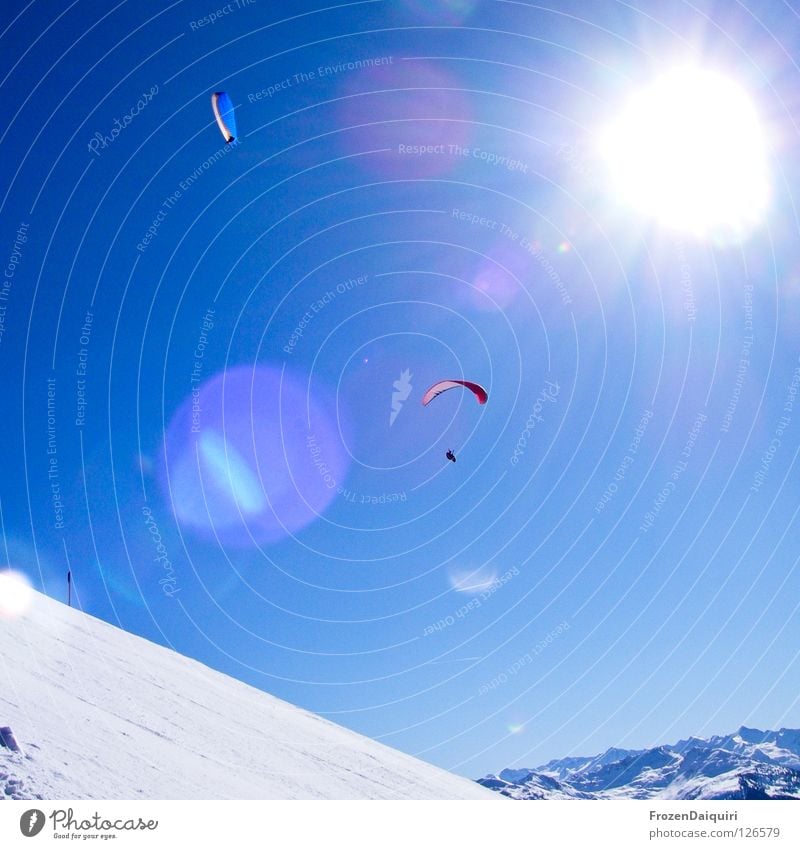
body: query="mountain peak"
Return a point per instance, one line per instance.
(748, 764)
(751, 735)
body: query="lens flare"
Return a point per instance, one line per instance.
(411, 116)
(16, 594)
(689, 151)
(252, 457)
(477, 580)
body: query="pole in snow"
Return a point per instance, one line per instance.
(69, 587)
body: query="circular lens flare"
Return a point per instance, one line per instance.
(253, 456)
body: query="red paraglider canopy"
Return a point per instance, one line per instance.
(443, 385)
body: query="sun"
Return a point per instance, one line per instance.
(688, 151)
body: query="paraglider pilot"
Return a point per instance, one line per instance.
(451, 456)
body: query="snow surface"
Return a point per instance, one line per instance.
(101, 714)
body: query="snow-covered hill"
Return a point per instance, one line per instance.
(749, 764)
(96, 712)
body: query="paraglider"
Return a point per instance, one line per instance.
(223, 112)
(443, 385)
(481, 395)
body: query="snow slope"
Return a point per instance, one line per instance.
(101, 714)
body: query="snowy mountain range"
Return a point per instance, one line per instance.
(749, 764)
(88, 711)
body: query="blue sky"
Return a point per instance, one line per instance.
(627, 500)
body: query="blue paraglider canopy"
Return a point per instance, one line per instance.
(223, 112)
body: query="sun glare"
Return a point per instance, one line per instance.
(688, 151)
(16, 594)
